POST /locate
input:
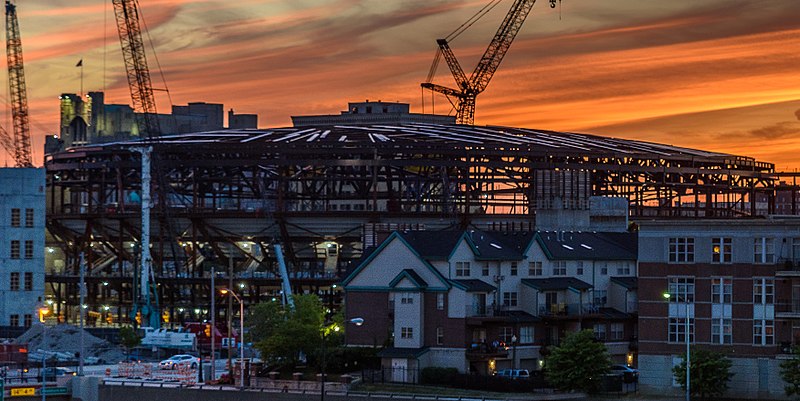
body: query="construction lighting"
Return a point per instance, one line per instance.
(42, 313)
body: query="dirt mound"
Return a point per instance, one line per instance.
(63, 342)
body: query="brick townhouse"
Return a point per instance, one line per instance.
(481, 301)
(738, 283)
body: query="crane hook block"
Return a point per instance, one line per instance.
(552, 3)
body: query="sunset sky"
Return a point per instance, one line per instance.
(720, 75)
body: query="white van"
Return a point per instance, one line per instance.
(514, 373)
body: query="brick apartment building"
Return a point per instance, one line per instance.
(461, 298)
(738, 283)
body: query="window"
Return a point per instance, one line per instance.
(14, 281)
(600, 297)
(617, 331)
(681, 250)
(513, 269)
(14, 249)
(681, 289)
(440, 301)
(763, 291)
(406, 299)
(15, 222)
(407, 332)
(534, 268)
(28, 281)
(677, 330)
(560, 268)
(28, 249)
(462, 269)
(509, 299)
(579, 270)
(526, 335)
(506, 333)
(721, 250)
(603, 268)
(600, 331)
(721, 331)
(13, 320)
(721, 290)
(28, 320)
(763, 332)
(439, 335)
(796, 250)
(485, 269)
(624, 269)
(763, 250)
(29, 218)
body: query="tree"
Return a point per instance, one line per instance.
(709, 373)
(790, 373)
(282, 335)
(578, 363)
(128, 338)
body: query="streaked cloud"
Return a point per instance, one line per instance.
(717, 74)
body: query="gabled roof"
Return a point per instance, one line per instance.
(473, 285)
(570, 245)
(395, 236)
(432, 245)
(630, 283)
(410, 275)
(488, 245)
(556, 283)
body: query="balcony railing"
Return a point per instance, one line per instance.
(481, 311)
(564, 309)
(484, 350)
(788, 307)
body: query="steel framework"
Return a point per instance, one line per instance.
(327, 193)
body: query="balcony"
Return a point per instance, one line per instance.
(484, 352)
(568, 310)
(787, 308)
(481, 311)
(787, 268)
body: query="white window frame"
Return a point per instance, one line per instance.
(722, 250)
(763, 250)
(440, 301)
(677, 330)
(721, 330)
(535, 269)
(407, 333)
(462, 269)
(510, 299)
(560, 268)
(526, 335)
(681, 250)
(763, 332)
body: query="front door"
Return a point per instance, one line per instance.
(399, 370)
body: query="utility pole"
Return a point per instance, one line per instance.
(230, 309)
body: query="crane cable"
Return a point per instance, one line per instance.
(472, 20)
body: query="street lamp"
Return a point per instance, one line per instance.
(667, 296)
(326, 327)
(225, 291)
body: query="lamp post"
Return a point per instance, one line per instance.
(514, 351)
(241, 332)
(688, 355)
(325, 328)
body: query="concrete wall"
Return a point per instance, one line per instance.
(756, 378)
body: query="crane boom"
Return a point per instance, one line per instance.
(499, 45)
(487, 66)
(19, 96)
(133, 53)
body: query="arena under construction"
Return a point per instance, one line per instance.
(326, 193)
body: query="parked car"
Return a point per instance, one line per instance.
(51, 374)
(514, 373)
(180, 360)
(624, 370)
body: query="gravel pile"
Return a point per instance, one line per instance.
(64, 340)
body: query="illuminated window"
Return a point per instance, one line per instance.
(721, 250)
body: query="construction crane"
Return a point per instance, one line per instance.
(133, 53)
(144, 104)
(470, 88)
(20, 146)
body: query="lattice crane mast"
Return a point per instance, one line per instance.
(20, 145)
(470, 88)
(133, 53)
(144, 105)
